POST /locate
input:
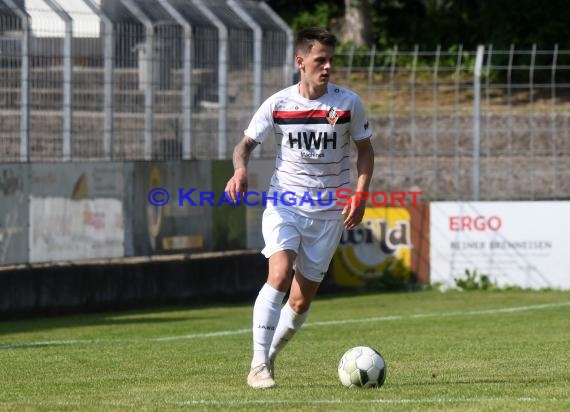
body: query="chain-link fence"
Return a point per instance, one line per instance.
(467, 124)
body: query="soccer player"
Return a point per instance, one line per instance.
(313, 123)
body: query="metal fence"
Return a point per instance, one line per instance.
(135, 79)
(467, 124)
(179, 79)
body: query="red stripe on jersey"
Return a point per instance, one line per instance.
(308, 114)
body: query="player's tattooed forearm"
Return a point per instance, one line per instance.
(243, 151)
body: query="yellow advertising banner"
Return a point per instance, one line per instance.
(389, 239)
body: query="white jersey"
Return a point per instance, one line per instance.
(313, 147)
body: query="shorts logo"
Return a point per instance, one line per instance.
(332, 116)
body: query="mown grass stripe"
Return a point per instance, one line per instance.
(365, 401)
(285, 402)
(384, 318)
(309, 324)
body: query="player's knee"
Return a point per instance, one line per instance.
(279, 279)
(299, 304)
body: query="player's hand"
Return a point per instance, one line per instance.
(354, 212)
(237, 185)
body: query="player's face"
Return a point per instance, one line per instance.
(316, 65)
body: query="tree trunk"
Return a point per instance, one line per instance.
(357, 23)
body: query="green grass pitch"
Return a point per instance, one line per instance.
(476, 351)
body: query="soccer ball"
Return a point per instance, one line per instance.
(362, 366)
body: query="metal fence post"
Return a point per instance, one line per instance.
(510, 122)
(413, 114)
(108, 56)
(349, 71)
(532, 119)
(150, 67)
(553, 130)
(289, 63)
(222, 77)
(67, 76)
(477, 121)
(371, 71)
(257, 50)
(456, 128)
(24, 80)
(435, 91)
(391, 121)
(186, 78)
(257, 55)
(487, 103)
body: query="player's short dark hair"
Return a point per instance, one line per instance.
(307, 37)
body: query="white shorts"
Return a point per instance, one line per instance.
(313, 240)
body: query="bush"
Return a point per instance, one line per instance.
(394, 277)
(474, 281)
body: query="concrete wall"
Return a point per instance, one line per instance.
(130, 283)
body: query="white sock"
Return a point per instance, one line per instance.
(266, 313)
(289, 323)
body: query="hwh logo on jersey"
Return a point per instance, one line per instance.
(311, 140)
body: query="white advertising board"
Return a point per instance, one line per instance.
(66, 229)
(524, 244)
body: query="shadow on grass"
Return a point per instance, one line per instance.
(149, 315)
(140, 317)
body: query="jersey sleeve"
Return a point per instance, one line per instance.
(261, 124)
(359, 126)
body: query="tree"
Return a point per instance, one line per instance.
(429, 23)
(356, 26)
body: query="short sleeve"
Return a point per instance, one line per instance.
(359, 125)
(261, 124)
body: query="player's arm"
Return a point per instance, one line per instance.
(354, 212)
(238, 182)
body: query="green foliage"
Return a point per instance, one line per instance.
(475, 281)
(394, 277)
(320, 16)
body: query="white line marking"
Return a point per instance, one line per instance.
(234, 402)
(443, 314)
(205, 335)
(383, 318)
(363, 401)
(309, 324)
